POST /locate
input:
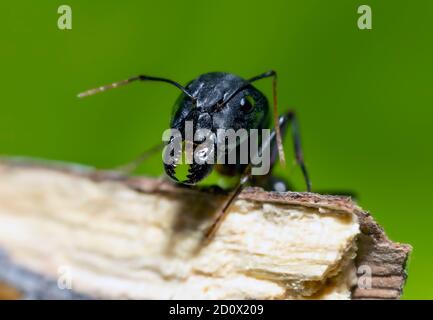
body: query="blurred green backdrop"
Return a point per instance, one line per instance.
(364, 98)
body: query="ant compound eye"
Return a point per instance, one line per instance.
(247, 103)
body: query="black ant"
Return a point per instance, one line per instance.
(219, 100)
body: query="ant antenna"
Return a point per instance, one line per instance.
(128, 81)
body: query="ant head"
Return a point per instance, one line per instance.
(222, 101)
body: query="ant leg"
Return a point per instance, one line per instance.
(245, 178)
(283, 123)
(133, 165)
(270, 182)
(284, 120)
(222, 213)
(273, 75)
(290, 117)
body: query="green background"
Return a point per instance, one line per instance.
(364, 97)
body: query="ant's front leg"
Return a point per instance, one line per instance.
(224, 210)
(270, 142)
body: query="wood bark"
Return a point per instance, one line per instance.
(72, 232)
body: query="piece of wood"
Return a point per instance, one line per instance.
(72, 232)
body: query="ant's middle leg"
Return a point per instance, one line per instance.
(268, 181)
(290, 118)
